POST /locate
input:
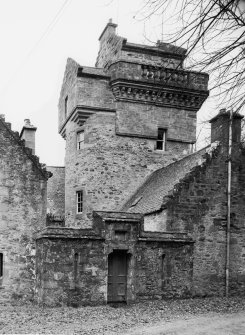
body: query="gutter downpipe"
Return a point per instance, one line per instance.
(228, 232)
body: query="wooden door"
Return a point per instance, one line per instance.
(117, 277)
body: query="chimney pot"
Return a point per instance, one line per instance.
(28, 134)
(27, 122)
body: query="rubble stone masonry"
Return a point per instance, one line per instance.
(22, 213)
(199, 206)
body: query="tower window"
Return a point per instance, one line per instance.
(66, 104)
(79, 202)
(1, 264)
(80, 140)
(161, 139)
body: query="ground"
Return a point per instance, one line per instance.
(186, 317)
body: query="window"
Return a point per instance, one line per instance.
(161, 139)
(1, 264)
(79, 202)
(66, 103)
(80, 140)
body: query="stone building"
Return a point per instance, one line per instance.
(23, 184)
(135, 214)
(145, 217)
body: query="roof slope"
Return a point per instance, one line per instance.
(149, 196)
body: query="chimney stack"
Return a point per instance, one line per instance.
(28, 134)
(220, 127)
(110, 29)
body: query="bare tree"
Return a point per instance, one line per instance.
(213, 31)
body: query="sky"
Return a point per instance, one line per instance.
(37, 37)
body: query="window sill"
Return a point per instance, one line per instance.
(79, 216)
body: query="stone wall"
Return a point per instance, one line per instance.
(199, 205)
(22, 213)
(144, 120)
(56, 191)
(64, 278)
(74, 271)
(68, 90)
(163, 270)
(109, 168)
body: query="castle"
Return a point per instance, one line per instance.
(135, 214)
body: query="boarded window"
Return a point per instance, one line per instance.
(161, 139)
(80, 140)
(120, 235)
(1, 264)
(79, 202)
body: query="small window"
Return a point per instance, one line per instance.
(79, 202)
(1, 264)
(66, 104)
(161, 139)
(80, 140)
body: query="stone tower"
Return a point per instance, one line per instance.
(132, 113)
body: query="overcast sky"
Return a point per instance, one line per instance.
(37, 37)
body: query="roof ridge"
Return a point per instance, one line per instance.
(28, 152)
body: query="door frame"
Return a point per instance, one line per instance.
(130, 294)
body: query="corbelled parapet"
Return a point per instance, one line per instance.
(166, 86)
(150, 74)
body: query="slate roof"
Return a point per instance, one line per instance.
(149, 196)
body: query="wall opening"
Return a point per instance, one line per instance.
(80, 139)
(1, 265)
(66, 105)
(75, 268)
(161, 139)
(163, 271)
(79, 200)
